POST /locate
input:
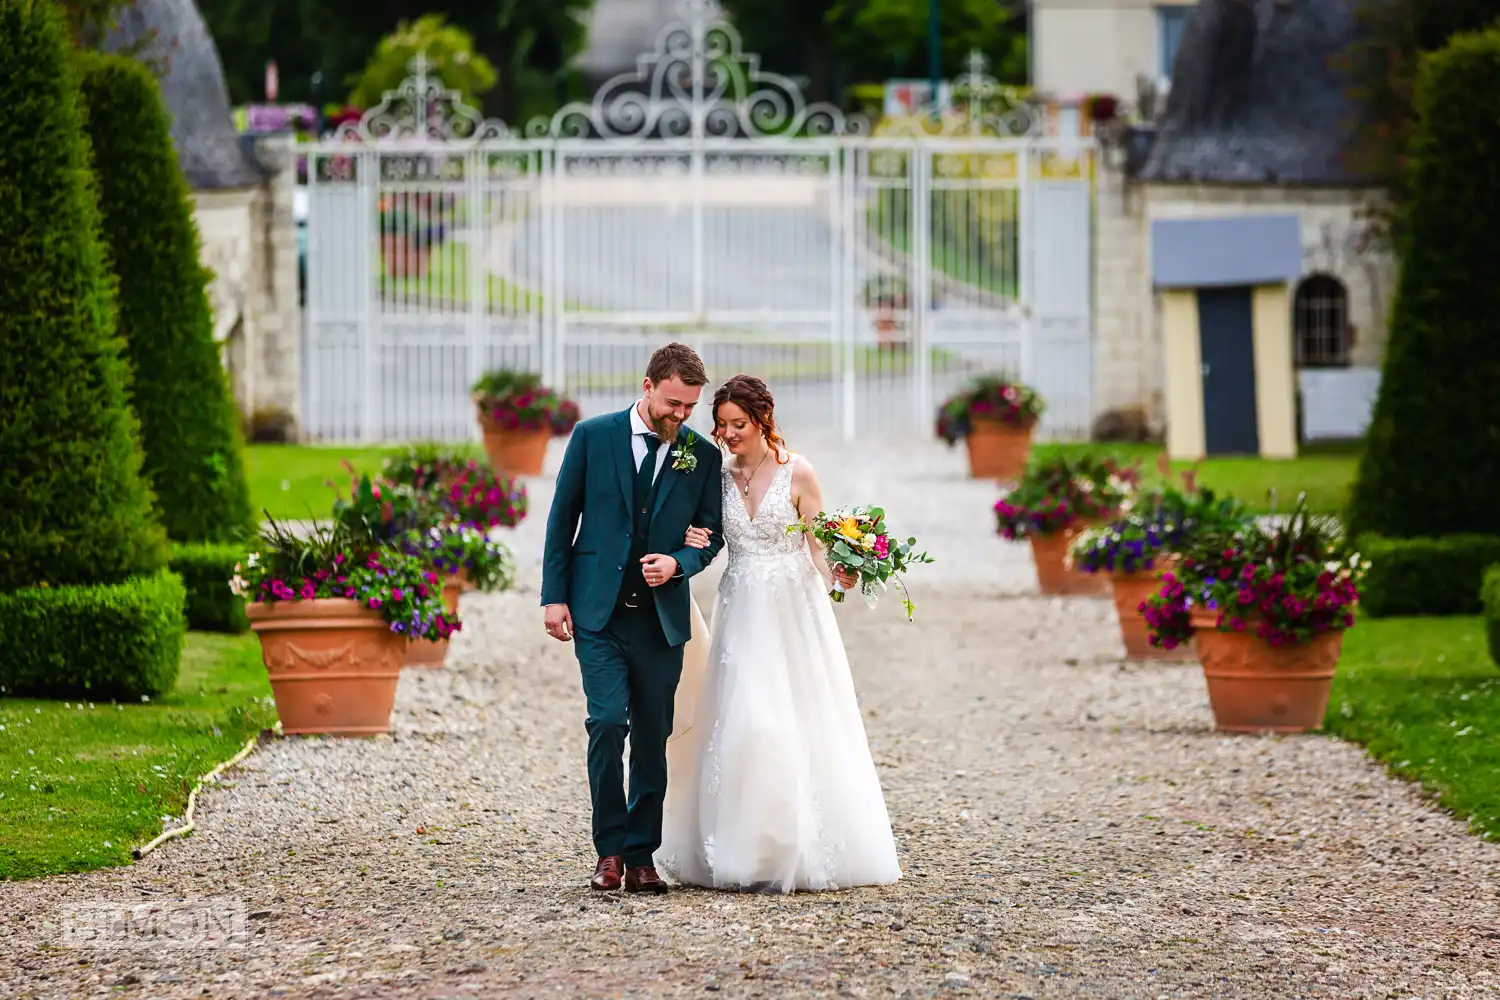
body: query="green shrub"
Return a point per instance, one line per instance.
(190, 428)
(1425, 576)
(205, 569)
(1433, 455)
(74, 508)
(118, 641)
(1489, 599)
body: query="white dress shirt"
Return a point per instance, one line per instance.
(638, 427)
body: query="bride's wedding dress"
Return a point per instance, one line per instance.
(770, 782)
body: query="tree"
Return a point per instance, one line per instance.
(1383, 66)
(449, 51)
(73, 506)
(898, 30)
(194, 458)
(533, 43)
(1433, 453)
(530, 43)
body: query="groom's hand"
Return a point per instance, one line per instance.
(658, 569)
(559, 622)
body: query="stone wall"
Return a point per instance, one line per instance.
(249, 242)
(1336, 241)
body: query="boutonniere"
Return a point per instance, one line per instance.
(683, 459)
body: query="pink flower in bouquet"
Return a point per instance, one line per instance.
(882, 547)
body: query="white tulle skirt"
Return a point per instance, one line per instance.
(771, 786)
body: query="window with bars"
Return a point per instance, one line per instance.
(1321, 332)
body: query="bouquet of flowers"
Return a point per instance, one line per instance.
(1057, 491)
(1290, 582)
(858, 540)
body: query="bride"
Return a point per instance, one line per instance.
(771, 785)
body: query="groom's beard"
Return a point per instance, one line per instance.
(665, 428)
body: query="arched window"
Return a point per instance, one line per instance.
(1321, 332)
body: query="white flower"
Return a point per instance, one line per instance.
(253, 559)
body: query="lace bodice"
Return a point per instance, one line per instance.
(763, 545)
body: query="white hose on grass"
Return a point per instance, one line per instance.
(141, 852)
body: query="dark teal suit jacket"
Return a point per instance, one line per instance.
(589, 525)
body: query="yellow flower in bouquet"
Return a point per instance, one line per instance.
(849, 528)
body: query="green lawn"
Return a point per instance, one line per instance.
(299, 481)
(1423, 697)
(83, 784)
(1325, 472)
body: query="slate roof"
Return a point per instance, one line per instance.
(208, 147)
(1256, 97)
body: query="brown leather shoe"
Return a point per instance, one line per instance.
(607, 874)
(643, 878)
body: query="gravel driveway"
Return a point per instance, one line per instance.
(1070, 827)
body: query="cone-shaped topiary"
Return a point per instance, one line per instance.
(74, 508)
(194, 457)
(1433, 455)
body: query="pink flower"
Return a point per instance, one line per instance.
(882, 547)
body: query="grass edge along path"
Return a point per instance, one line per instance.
(1422, 697)
(83, 783)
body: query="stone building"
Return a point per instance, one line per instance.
(1258, 122)
(243, 191)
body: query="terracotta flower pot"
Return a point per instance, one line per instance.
(514, 452)
(333, 665)
(1130, 590)
(1052, 573)
(1255, 687)
(432, 652)
(998, 450)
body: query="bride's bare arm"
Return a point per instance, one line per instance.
(807, 497)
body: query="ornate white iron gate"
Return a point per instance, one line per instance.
(701, 199)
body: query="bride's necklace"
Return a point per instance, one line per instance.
(746, 488)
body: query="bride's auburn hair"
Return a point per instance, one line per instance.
(754, 397)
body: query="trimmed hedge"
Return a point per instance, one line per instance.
(118, 641)
(190, 428)
(74, 509)
(1433, 455)
(1489, 598)
(1426, 576)
(205, 569)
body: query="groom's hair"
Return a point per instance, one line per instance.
(679, 360)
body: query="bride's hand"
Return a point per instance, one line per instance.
(847, 578)
(697, 538)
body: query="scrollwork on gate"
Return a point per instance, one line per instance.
(697, 83)
(983, 107)
(422, 108)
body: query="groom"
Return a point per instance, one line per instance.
(615, 576)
